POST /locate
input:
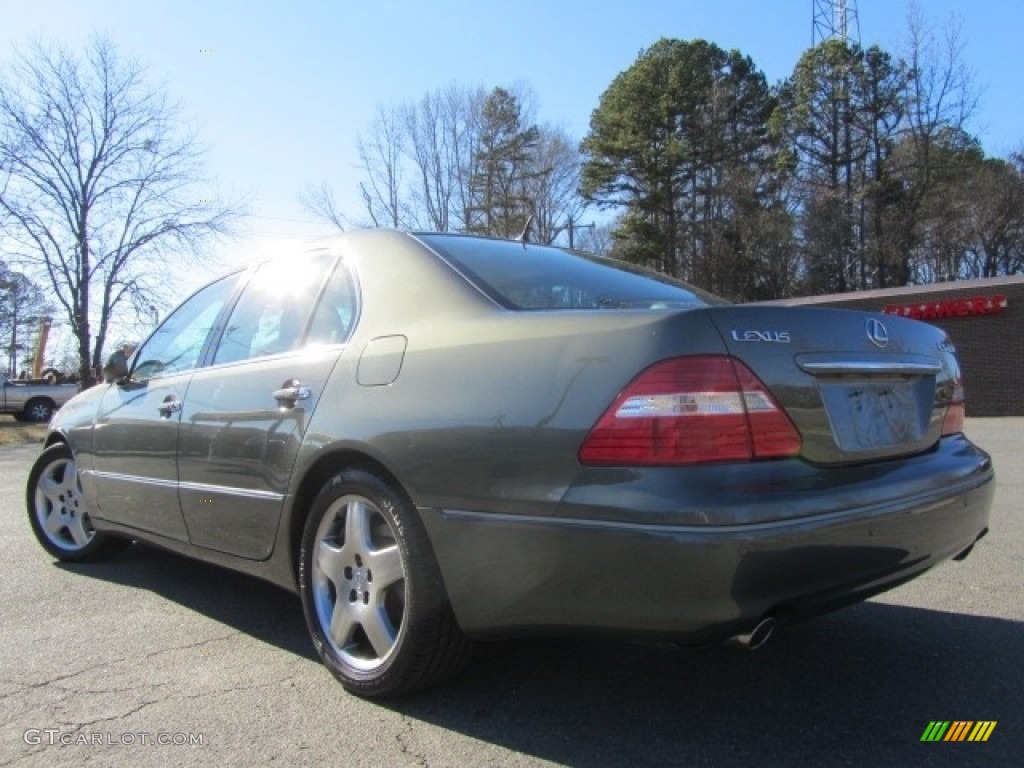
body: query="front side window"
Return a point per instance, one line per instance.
(178, 344)
(274, 309)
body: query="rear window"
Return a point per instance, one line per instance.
(527, 276)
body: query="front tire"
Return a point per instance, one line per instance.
(372, 592)
(56, 510)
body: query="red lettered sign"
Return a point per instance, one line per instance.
(938, 310)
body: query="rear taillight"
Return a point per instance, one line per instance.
(690, 410)
(953, 421)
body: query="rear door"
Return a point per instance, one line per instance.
(245, 415)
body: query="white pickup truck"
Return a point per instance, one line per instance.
(33, 400)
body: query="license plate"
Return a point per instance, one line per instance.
(866, 416)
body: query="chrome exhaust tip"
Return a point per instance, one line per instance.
(759, 635)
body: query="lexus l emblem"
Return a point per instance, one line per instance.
(877, 333)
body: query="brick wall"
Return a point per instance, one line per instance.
(990, 345)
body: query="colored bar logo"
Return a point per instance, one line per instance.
(958, 730)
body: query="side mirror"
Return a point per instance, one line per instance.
(116, 368)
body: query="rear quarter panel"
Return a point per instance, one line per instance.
(490, 408)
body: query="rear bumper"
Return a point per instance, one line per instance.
(510, 573)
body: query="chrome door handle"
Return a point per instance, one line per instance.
(290, 393)
(169, 406)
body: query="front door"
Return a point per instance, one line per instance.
(135, 440)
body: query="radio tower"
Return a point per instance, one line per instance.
(835, 19)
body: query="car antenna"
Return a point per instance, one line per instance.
(524, 236)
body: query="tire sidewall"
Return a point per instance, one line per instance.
(32, 405)
(388, 678)
(52, 455)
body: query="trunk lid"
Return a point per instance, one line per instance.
(858, 386)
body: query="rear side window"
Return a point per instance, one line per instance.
(335, 314)
(272, 314)
(526, 276)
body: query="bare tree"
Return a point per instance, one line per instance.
(940, 92)
(380, 158)
(940, 101)
(596, 238)
(414, 159)
(552, 183)
(454, 162)
(443, 130)
(321, 202)
(99, 185)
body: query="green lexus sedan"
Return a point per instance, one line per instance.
(435, 439)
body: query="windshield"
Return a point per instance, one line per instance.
(531, 277)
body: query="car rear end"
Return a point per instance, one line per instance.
(832, 467)
(734, 464)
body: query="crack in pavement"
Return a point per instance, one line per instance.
(406, 748)
(55, 681)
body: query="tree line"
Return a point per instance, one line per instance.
(463, 159)
(856, 172)
(23, 309)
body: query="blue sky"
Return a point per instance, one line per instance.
(287, 86)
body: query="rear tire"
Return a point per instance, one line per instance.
(372, 592)
(56, 510)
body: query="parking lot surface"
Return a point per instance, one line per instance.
(155, 659)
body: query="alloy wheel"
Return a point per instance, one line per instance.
(358, 580)
(58, 506)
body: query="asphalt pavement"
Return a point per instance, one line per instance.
(152, 659)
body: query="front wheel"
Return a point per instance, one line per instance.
(56, 510)
(372, 592)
